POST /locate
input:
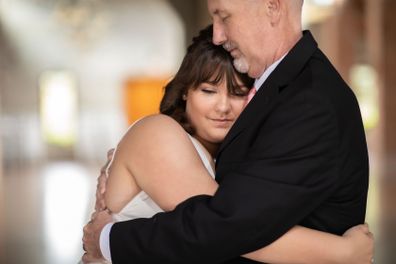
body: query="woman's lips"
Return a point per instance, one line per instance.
(222, 123)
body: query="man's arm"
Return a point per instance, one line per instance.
(289, 171)
(291, 247)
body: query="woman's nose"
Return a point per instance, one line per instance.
(223, 104)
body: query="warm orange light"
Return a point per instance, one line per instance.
(142, 97)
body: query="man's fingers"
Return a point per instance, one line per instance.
(87, 258)
(364, 228)
(110, 153)
(91, 233)
(102, 189)
(94, 214)
(105, 215)
(86, 231)
(100, 205)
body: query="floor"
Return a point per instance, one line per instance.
(45, 207)
(44, 211)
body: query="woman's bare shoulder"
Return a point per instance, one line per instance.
(154, 125)
(162, 158)
(154, 130)
(157, 121)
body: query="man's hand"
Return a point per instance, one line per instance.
(91, 236)
(360, 244)
(101, 186)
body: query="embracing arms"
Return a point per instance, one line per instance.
(166, 166)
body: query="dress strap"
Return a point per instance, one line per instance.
(202, 155)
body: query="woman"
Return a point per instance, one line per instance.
(148, 172)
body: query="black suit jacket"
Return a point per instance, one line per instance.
(296, 155)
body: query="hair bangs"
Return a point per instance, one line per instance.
(210, 70)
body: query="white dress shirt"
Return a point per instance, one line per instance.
(258, 82)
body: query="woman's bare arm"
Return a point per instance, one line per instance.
(157, 156)
(303, 245)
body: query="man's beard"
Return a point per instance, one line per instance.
(241, 65)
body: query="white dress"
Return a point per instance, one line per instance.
(142, 206)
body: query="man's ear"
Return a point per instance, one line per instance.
(273, 8)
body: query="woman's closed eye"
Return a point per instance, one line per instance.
(208, 91)
(241, 92)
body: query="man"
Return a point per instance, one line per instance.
(296, 155)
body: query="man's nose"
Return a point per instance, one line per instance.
(219, 37)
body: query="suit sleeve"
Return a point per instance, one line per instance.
(289, 171)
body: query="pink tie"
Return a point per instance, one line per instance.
(250, 95)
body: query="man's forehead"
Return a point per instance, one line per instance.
(213, 6)
(216, 7)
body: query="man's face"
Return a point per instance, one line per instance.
(243, 29)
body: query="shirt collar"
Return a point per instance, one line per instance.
(258, 82)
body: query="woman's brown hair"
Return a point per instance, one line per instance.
(203, 63)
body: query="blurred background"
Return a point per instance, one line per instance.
(75, 73)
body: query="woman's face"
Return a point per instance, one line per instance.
(212, 110)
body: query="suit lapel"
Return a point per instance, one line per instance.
(259, 106)
(267, 96)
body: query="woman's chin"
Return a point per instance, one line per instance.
(217, 139)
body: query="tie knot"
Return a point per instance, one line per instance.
(251, 93)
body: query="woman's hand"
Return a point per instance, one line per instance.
(100, 204)
(359, 245)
